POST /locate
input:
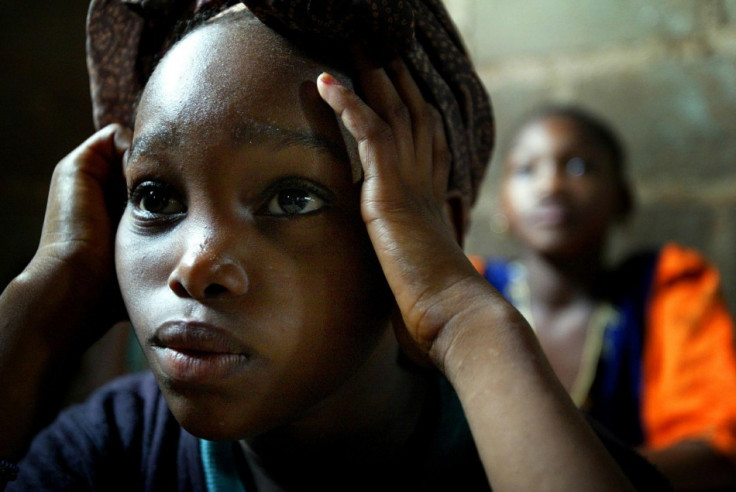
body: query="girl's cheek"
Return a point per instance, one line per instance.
(139, 261)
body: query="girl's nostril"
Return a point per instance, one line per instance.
(214, 290)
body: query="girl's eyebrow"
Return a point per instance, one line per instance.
(249, 132)
(153, 142)
(254, 132)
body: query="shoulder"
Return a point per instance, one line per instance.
(651, 271)
(121, 409)
(679, 263)
(119, 395)
(117, 410)
(123, 434)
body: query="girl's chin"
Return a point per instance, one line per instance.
(214, 426)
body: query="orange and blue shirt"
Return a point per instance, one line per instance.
(666, 362)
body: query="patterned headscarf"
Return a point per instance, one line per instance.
(125, 38)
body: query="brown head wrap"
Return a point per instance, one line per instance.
(127, 37)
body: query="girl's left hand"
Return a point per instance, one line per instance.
(483, 345)
(405, 202)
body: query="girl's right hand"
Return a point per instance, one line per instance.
(77, 241)
(406, 205)
(67, 296)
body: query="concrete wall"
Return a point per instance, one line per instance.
(662, 71)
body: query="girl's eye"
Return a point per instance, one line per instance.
(153, 198)
(577, 167)
(293, 201)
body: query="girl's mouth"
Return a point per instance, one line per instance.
(198, 353)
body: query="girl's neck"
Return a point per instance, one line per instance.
(353, 437)
(555, 283)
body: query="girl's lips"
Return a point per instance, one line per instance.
(551, 215)
(195, 352)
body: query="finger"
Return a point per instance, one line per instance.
(381, 95)
(83, 184)
(111, 142)
(101, 157)
(100, 152)
(375, 138)
(422, 119)
(441, 156)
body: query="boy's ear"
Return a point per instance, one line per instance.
(457, 214)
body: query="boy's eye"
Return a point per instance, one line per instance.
(153, 198)
(577, 167)
(524, 168)
(293, 201)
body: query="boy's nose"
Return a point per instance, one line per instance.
(208, 269)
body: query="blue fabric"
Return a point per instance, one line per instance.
(125, 438)
(615, 396)
(218, 463)
(498, 273)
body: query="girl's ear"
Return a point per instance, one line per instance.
(457, 214)
(626, 204)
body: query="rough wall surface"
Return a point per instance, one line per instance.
(663, 72)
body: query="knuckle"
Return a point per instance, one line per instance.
(378, 132)
(443, 155)
(427, 113)
(399, 112)
(425, 121)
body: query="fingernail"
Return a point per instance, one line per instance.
(328, 79)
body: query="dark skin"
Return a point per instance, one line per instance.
(227, 283)
(560, 212)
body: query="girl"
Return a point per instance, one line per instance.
(277, 256)
(646, 349)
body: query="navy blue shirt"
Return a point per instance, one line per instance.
(125, 438)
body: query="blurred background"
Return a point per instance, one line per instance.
(663, 72)
(45, 112)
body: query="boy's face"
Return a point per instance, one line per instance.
(560, 192)
(242, 257)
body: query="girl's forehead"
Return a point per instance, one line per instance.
(226, 53)
(550, 133)
(226, 68)
(231, 84)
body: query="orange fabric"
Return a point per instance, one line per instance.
(689, 364)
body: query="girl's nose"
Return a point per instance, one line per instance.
(209, 268)
(551, 179)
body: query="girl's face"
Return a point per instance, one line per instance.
(242, 257)
(560, 192)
